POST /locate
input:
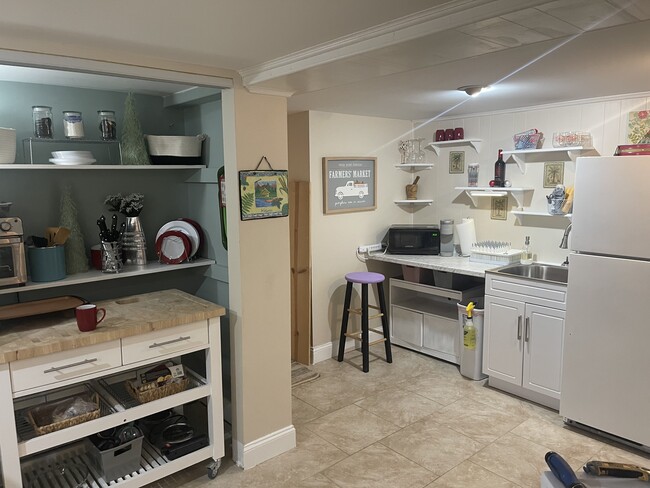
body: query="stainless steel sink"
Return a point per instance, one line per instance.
(543, 272)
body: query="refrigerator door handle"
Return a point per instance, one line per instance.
(519, 328)
(527, 331)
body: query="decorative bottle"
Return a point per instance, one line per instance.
(500, 170)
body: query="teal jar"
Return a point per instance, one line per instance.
(46, 263)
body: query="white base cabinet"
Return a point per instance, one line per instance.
(523, 337)
(24, 453)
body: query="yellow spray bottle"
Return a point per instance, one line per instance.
(469, 331)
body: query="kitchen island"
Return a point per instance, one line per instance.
(45, 358)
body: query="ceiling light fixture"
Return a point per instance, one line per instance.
(473, 90)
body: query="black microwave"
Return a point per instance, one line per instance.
(414, 239)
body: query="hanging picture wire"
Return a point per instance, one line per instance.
(263, 193)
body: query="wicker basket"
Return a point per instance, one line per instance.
(151, 394)
(41, 415)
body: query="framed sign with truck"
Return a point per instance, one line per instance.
(349, 184)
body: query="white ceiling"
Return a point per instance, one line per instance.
(402, 59)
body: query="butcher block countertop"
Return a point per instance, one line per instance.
(128, 316)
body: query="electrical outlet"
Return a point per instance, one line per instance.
(370, 247)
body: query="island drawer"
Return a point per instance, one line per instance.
(163, 342)
(65, 365)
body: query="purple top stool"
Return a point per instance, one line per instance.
(365, 278)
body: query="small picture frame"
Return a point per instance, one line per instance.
(456, 162)
(499, 210)
(263, 194)
(553, 174)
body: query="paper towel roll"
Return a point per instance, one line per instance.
(466, 235)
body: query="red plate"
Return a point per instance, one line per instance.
(198, 228)
(173, 247)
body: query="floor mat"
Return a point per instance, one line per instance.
(301, 374)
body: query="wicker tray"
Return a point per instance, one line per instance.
(149, 395)
(40, 416)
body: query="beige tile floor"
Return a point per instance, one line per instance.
(413, 423)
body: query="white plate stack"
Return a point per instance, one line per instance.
(72, 158)
(7, 146)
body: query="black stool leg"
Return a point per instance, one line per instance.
(344, 320)
(365, 349)
(384, 321)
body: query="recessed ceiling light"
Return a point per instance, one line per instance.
(472, 90)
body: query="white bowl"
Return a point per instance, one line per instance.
(7, 145)
(72, 155)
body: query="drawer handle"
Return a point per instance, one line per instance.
(519, 328)
(527, 329)
(54, 369)
(160, 344)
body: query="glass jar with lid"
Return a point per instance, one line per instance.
(42, 116)
(107, 125)
(73, 125)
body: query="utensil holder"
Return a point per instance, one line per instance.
(111, 257)
(555, 206)
(411, 192)
(46, 263)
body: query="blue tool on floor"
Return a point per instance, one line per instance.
(562, 471)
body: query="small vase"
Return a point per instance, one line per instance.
(134, 244)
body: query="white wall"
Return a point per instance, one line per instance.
(335, 237)
(605, 119)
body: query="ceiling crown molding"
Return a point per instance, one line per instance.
(436, 19)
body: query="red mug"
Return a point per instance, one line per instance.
(96, 256)
(440, 135)
(87, 316)
(449, 134)
(459, 133)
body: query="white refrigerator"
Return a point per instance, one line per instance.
(606, 360)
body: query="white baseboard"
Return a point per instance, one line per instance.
(330, 350)
(266, 447)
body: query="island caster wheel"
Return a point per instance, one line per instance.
(213, 469)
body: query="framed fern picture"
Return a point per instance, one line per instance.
(263, 194)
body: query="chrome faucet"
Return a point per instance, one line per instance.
(565, 237)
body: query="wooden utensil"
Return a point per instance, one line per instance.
(37, 307)
(57, 235)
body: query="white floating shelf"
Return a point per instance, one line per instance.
(102, 166)
(521, 214)
(436, 146)
(413, 202)
(414, 166)
(95, 275)
(475, 192)
(523, 156)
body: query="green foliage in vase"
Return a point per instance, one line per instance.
(76, 260)
(134, 150)
(130, 205)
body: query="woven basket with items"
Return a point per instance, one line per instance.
(158, 382)
(64, 413)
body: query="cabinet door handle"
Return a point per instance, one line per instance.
(519, 328)
(54, 369)
(160, 344)
(527, 329)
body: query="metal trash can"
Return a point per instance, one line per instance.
(471, 352)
